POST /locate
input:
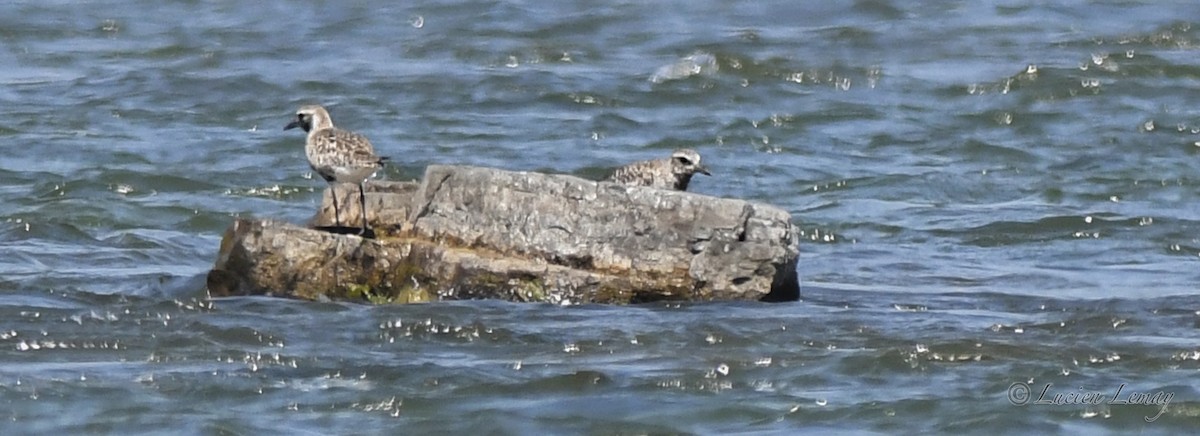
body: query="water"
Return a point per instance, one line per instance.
(994, 195)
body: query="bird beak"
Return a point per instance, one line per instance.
(292, 125)
(703, 170)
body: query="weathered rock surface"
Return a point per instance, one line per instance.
(468, 232)
(387, 202)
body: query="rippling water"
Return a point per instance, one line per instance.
(994, 196)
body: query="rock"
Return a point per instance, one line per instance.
(468, 232)
(387, 202)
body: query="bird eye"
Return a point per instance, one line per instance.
(683, 161)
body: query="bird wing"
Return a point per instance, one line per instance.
(356, 149)
(636, 173)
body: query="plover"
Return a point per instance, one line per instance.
(669, 173)
(339, 156)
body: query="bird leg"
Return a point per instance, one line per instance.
(337, 221)
(362, 201)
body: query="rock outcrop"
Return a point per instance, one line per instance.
(469, 232)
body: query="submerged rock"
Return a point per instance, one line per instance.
(469, 232)
(694, 64)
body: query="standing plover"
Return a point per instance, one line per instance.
(339, 156)
(669, 173)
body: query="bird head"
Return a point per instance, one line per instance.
(309, 118)
(686, 162)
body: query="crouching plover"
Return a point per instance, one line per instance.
(339, 156)
(669, 173)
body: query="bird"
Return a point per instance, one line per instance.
(337, 155)
(673, 173)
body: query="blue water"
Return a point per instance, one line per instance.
(990, 193)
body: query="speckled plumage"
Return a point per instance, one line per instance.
(337, 155)
(672, 173)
